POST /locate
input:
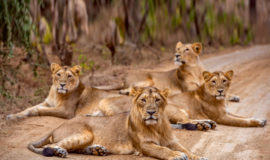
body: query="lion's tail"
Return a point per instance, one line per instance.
(37, 145)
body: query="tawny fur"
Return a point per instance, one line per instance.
(208, 102)
(145, 129)
(67, 101)
(200, 107)
(186, 77)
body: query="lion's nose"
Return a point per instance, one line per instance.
(220, 90)
(177, 56)
(62, 84)
(151, 112)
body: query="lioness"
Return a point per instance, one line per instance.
(145, 130)
(67, 96)
(208, 101)
(187, 77)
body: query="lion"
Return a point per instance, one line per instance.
(187, 77)
(208, 102)
(145, 130)
(177, 116)
(68, 96)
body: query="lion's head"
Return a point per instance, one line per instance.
(217, 83)
(149, 104)
(65, 79)
(187, 53)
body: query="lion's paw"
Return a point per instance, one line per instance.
(180, 156)
(258, 122)
(204, 125)
(60, 152)
(124, 91)
(55, 151)
(12, 117)
(234, 99)
(96, 150)
(262, 123)
(212, 123)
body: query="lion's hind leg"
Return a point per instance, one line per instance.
(69, 144)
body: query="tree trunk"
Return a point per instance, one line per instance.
(197, 27)
(252, 12)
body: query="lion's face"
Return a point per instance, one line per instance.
(150, 103)
(65, 79)
(187, 53)
(217, 83)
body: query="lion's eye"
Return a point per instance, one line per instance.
(157, 100)
(143, 100)
(224, 81)
(213, 81)
(58, 74)
(186, 49)
(69, 76)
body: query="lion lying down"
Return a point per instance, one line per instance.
(187, 77)
(145, 130)
(67, 97)
(208, 102)
(196, 110)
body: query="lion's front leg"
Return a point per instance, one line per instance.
(177, 147)
(161, 152)
(233, 120)
(32, 111)
(66, 112)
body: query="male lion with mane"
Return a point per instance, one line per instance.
(145, 130)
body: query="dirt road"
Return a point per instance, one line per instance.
(251, 83)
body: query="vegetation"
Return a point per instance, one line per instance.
(137, 23)
(15, 29)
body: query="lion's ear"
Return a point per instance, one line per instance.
(229, 74)
(206, 75)
(197, 47)
(178, 45)
(55, 67)
(134, 91)
(76, 69)
(165, 92)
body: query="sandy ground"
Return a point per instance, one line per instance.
(251, 83)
